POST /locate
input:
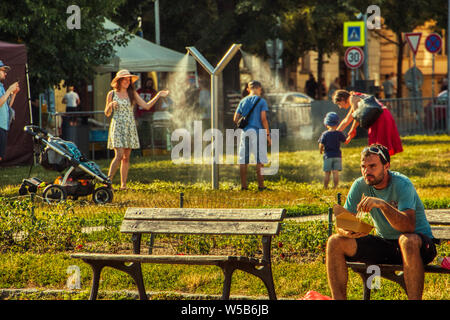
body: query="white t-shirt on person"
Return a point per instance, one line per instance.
(71, 99)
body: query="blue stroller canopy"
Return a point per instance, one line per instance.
(71, 152)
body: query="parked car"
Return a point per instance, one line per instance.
(438, 110)
(290, 112)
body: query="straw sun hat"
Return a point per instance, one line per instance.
(123, 74)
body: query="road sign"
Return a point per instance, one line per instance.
(354, 57)
(354, 34)
(413, 77)
(433, 43)
(413, 39)
(274, 48)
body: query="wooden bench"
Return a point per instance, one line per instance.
(440, 227)
(222, 222)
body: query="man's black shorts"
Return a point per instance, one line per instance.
(376, 250)
(3, 140)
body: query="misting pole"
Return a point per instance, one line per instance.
(214, 73)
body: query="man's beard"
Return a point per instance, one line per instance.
(375, 180)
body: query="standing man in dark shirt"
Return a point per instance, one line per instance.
(311, 86)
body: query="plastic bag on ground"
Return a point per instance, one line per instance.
(446, 263)
(314, 295)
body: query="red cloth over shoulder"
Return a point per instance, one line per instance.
(384, 131)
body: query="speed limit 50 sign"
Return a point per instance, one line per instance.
(354, 57)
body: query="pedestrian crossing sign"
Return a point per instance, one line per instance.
(354, 34)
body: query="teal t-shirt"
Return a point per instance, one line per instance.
(4, 111)
(400, 193)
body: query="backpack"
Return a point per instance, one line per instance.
(369, 110)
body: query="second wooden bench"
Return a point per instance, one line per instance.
(440, 227)
(223, 222)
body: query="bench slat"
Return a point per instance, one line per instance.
(442, 233)
(200, 227)
(441, 216)
(182, 214)
(362, 267)
(177, 259)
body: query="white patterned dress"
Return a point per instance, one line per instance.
(122, 129)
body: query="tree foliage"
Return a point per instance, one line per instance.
(55, 52)
(212, 26)
(209, 25)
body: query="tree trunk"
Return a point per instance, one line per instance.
(401, 47)
(231, 75)
(319, 72)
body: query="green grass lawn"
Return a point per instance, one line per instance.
(297, 186)
(157, 182)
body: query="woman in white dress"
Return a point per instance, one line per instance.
(123, 134)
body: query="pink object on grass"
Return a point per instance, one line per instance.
(446, 263)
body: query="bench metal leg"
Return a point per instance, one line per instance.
(268, 281)
(134, 270)
(366, 289)
(384, 273)
(397, 278)
(228, 273)
(96, 270)
(264, 273)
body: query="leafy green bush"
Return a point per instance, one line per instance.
(436, 203)
(21, 231)
(297, 238)
(305, 210)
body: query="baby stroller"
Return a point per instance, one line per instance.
(80, 177)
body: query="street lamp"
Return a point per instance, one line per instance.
(214, 73)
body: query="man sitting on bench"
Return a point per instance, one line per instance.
(403, 232)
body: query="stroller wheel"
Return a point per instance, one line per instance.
(54, 193)
(102, 195)
(23, 190)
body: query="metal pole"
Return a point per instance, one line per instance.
(414, 76)
(157, 30)
(214, 73)
(29, 95)
(353, 79)
(181, 199)
(33, 217)
(275, 61)
(366, 49)
(432, 77)
(157, 38)
(330, 221)
(214, 125)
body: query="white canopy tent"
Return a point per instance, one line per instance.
(140, 55)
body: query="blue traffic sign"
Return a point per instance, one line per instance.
(354, 34)
(433, 43)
